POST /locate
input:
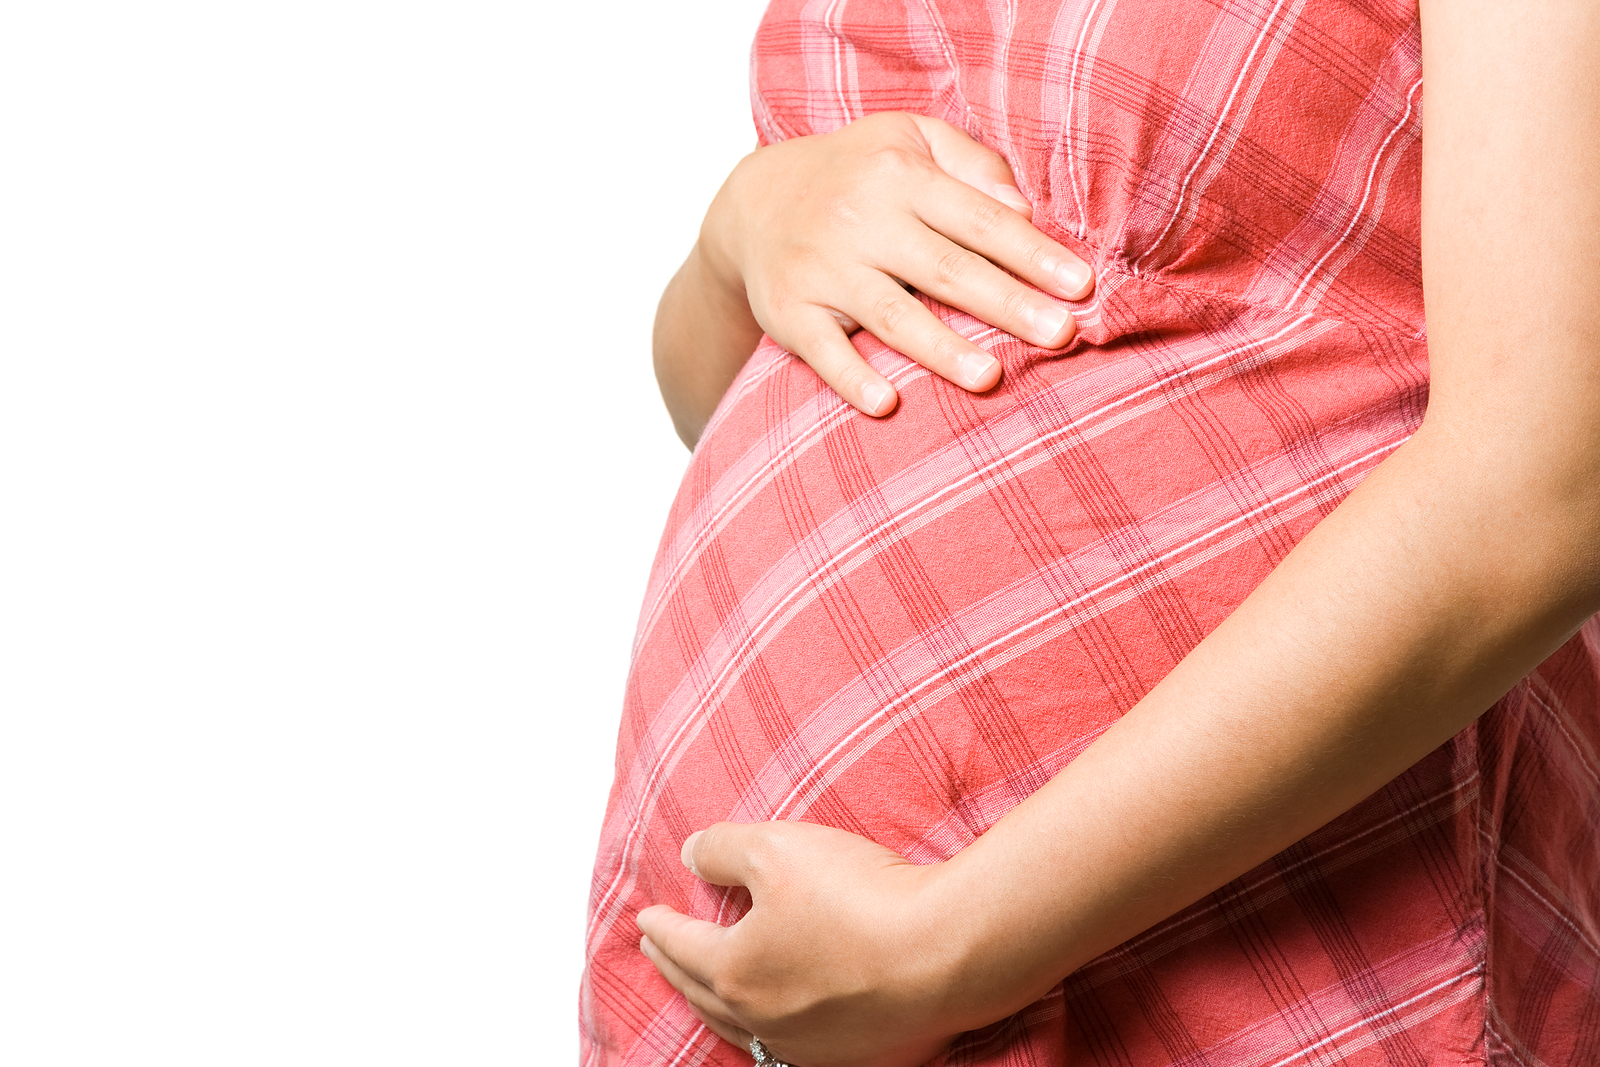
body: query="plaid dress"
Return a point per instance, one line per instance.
(902, 627)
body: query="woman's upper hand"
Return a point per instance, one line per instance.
(846, 958)
(818, 232)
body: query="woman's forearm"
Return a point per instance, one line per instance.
(704, 332)
(1394, 624)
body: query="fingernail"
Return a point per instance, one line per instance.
(686, 854)
(878, 398)
(975, 366)
(1048, 321)
(1011, 197)
(1073, 277)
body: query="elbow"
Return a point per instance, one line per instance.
(1528, 500)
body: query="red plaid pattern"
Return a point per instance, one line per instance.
(902, 627)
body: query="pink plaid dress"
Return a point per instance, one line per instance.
(902, 627)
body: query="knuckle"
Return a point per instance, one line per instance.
(989, 216)
(946, 349)
(1015, 305)
(731, 986)
(887, 124)
(793, 284)
(778, 300)
(739, 985)
(704, 847)
(891, 162)
(1035, 255)
(758, 848)
(890, 310)
(953, 267)
(813, 342)
(991, 157)
(848, 381)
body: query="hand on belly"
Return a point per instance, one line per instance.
(820, 234)
(843, 959)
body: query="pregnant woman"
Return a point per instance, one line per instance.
(1183, 661)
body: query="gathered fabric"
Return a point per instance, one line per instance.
(902, 627)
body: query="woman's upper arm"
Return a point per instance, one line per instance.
(1511, 254)
(1511, 206)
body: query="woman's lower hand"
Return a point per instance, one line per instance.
(820, 232)
(844, 959)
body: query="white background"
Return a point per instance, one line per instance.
(331, 468)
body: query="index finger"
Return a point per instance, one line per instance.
(691, 944)
(966, 159)
(1002, 236)
(703, 1001)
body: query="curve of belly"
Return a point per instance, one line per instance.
(904, 626)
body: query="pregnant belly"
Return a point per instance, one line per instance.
(902, 627)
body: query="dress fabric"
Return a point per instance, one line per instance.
(902, 627)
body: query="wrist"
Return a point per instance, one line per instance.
(1002, 943)
(720, 288)
(716, 249)
(979, 974)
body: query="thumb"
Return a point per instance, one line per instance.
(965, 160)
(722, 853)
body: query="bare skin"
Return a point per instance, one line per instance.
(809, 239)
(1463, 561)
